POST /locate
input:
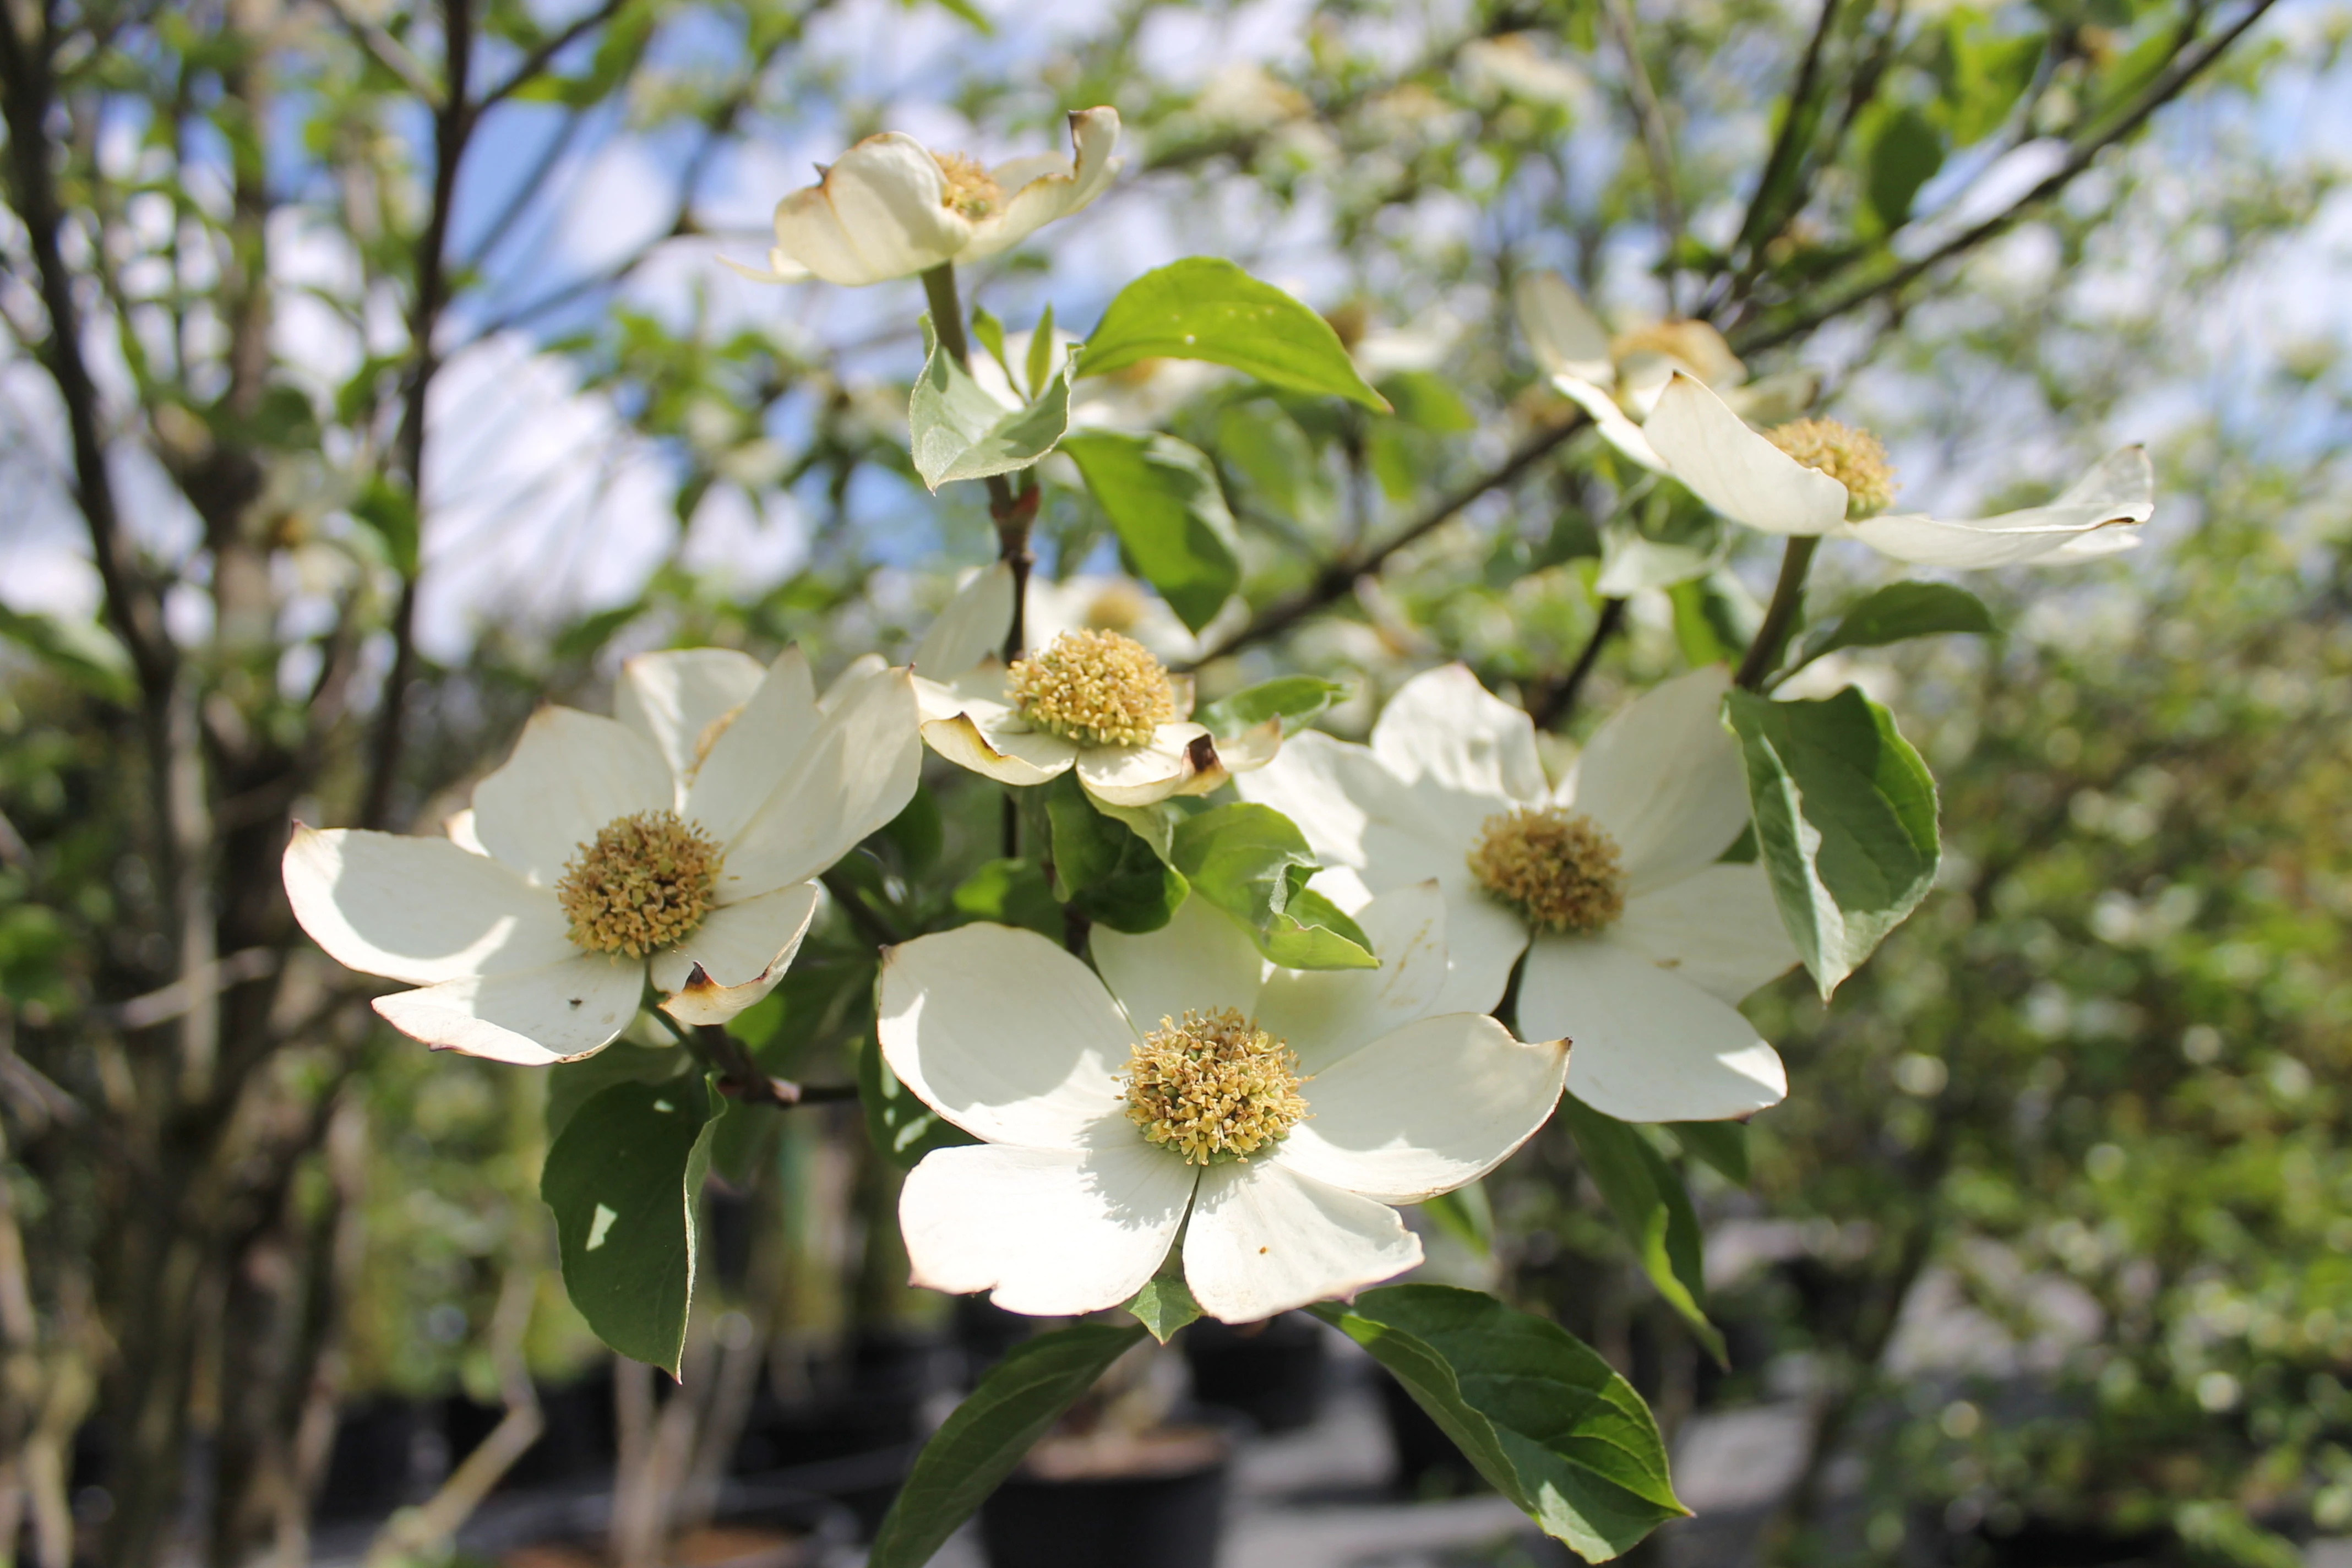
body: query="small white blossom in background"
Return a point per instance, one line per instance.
(891, 207)
(1093, 700)
(1817, 477)
(1638, 943)
(675, 845)
(1618, 379)
(1283, 1111)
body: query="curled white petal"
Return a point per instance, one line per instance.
(1736, 471)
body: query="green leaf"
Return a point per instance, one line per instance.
(1465, 1214)
(80, 651)
(1165, 1304)
(988, 334)
(1530, 1405)
(1903, 156)
(901, 1126)
(1161, 497)
(622, 1179)
(1722, 1145)
(1652, 1208)
(1104, 868)
(1845, 819)
(1041, 352)
(1427, 401)
(1293, 698)
(570, 1085)
(1895, 614)
(961, 433)
(1011, 893)
(1715, 617)
(1989, 75)
(391, 511)
(1252, 862)
(990, 1433)
(1205, 309)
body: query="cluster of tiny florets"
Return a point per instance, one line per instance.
(971, 190)
(642, 884)
(1557, 867)
(1855, 458)
(1097, 689)
(1214, 1087)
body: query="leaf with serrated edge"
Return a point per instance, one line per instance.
(990, 1433)
(1540, 1415)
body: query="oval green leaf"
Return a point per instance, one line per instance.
(1206, 308)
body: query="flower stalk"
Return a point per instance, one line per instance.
(1779, 616)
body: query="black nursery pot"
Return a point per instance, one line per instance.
(1272, 1373)
(1167, 1520)
(1428, 1464)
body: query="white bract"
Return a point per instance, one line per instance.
(1284, 1112)
(1092, 700)
(1757, 479)
(676, 845)
(1618, 379)
(891, 207)
(1638, 943)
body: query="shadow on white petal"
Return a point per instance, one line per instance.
(1053, 1232)
(419, 910)
(533, 1018)
(1264, 1239)
(1645, 1045)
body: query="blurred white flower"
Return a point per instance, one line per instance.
(1618, 380)
(1638, 943)
(675, 845)
(1816, 477)
(891, 207)
(1513, 64)
(1281, 1112)
(1095, 701)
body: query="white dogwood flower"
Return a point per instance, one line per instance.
(1817, 477)
(1093, 701)
(891, 207)
(1282, 1111)
(1638, 943)
(1617, 379)
(676, 845)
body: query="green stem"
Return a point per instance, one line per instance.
(1011, 513)
(1779, 616)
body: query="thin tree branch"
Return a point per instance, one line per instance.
(451, 122)
(1657, 142)
(537, 61)
(1549, 703)
(1333, 581)
(1758, 226)
(390, 52)
(2184, 69)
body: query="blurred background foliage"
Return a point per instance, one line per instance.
(370, 379)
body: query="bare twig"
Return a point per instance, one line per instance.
(1657, 142)
(1339, 577)
(538, 60)
(2185, 69)
(1550, 702)
(390, 52)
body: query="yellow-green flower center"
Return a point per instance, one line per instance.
(644, 883)
(1855, 458)
(1097, 689)
(1557, 867)
(971, 190)
(1213, 1087)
